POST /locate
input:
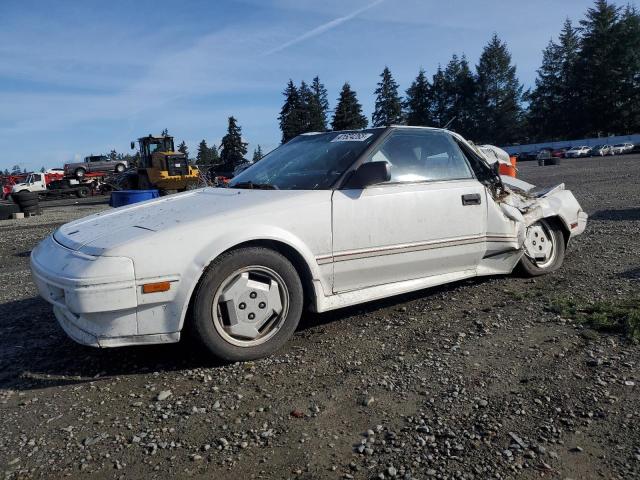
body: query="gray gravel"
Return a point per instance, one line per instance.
(472, 380)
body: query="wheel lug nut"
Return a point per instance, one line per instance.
(262, 305)
(242, 306)
(253, 295)
(252, 316)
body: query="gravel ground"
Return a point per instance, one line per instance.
(478, 379)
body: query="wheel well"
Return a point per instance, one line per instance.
(288, 252)
(291, 254)
(557, 221)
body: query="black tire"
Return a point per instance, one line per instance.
(27, 201)
(541, 162)
(553, 161)
(528, 266)
(220, 270)
(82, 192)
(119, 168)
(7, 208)
(79, 173)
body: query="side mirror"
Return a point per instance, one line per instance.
(133, 145)
(370, 173)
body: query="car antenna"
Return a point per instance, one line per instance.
(446, 127)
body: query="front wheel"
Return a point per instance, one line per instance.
(79, 173)
(544, 249)
(119, 168)
(248, 304)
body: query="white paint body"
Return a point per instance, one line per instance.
(358, 246)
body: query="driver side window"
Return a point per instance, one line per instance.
(421, 156)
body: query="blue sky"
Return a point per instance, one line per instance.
(81, 77)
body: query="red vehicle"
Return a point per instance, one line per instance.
(8, 181)
(559, 152)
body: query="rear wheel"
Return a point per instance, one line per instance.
(79, 173)
(120, 168)
(544, 248)
(82, 192)
(248, 304)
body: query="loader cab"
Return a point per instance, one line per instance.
(154, 145)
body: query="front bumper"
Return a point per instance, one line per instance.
(95, 299)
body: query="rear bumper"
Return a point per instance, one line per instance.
(95, 299)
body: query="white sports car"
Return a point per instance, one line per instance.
(324, 221)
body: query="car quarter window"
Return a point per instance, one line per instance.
(418, 156)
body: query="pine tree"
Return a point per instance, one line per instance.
(203, 157)
(233, 148)
(388, 108)
(417, 102)
(306, 104)
(257, 154)
(348, 113)
(439, 101)
(291, 115)
(569, 47)
(42, 169)
(164, 133)
(544, 99)
(113, 155)
(320, 106)
(499, 95)
(460, 88)
(553, 103)
(214, 156)
(183, 149)
(629, 88)
(598, 69)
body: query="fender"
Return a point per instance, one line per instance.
(238, 236)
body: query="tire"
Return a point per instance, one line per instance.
(530, 267)
(79, 173)
(82, 192)
(119, 168)
(541, 162)
(552, 161)
(27, 201)
(230, 275)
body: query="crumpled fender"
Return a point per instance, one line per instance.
(554, 202)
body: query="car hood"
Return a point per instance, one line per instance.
(98, 233)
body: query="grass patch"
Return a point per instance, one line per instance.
(620, 316)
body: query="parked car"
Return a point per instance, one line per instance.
(575, 152)
(600, 150)
(559, 152)
(545, 157)
(622, 148)
(531, 155)
(324, 221)
(95, 163)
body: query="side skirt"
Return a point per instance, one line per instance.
(326, 303)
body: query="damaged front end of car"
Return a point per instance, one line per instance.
(530, 212)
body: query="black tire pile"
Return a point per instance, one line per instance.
(28, 202)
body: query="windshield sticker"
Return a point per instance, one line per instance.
(352, 137)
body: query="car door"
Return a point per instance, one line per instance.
(429, 219)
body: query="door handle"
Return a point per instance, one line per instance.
(471, 199)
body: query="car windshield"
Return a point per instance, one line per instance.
(308, 162)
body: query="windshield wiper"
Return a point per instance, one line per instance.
(257, 186)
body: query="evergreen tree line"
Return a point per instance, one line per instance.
(588, 85)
